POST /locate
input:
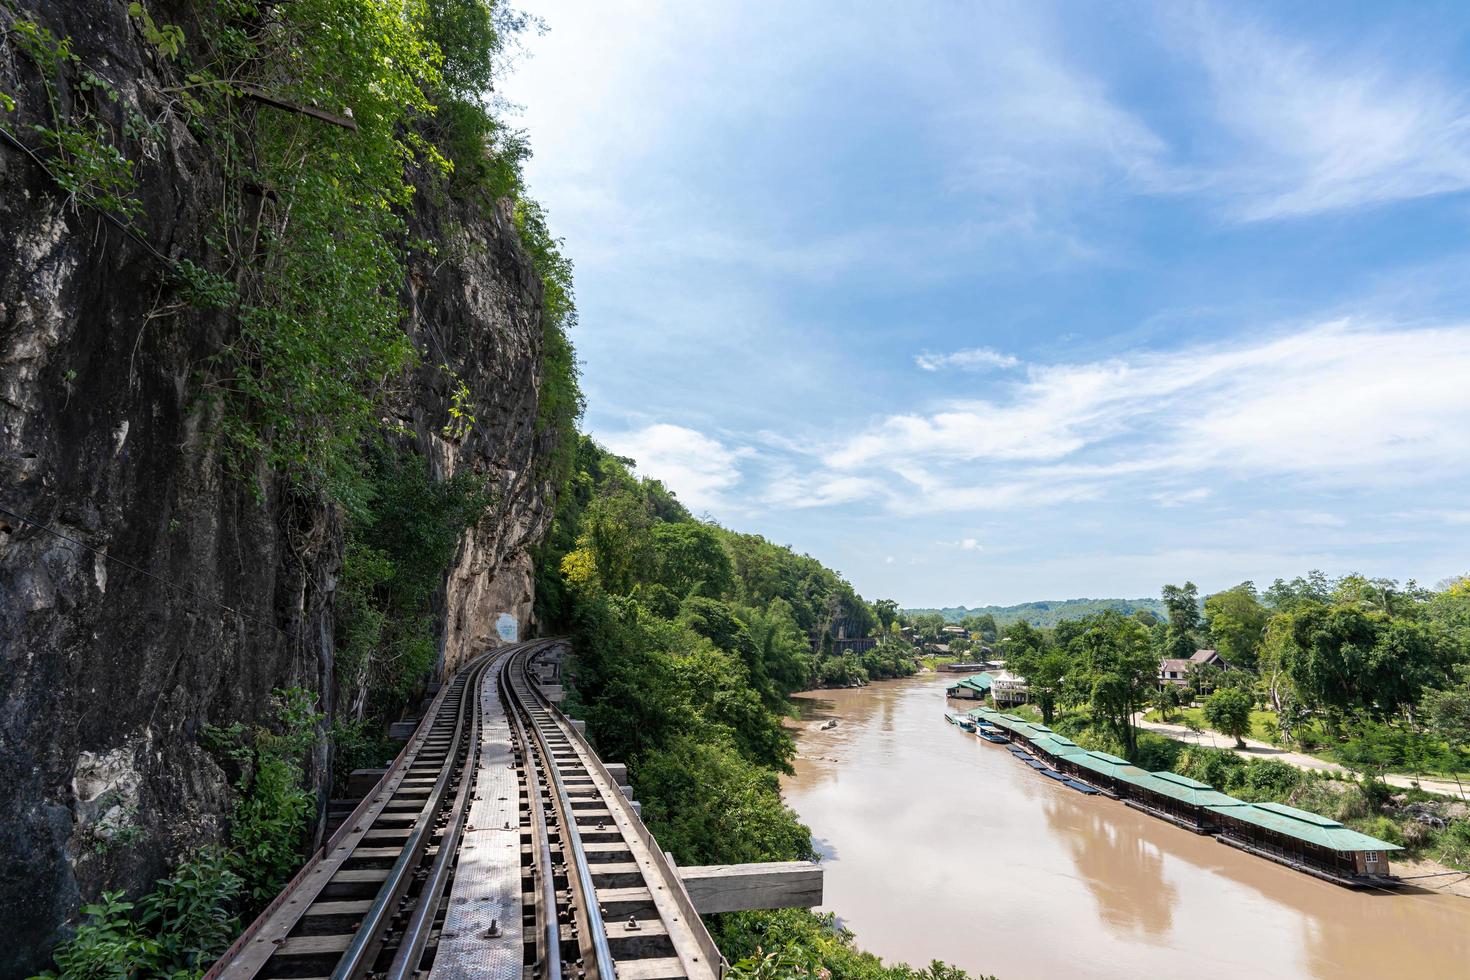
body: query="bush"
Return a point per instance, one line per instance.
(1385, 828)
(707, 805)
(1271, 779)
(175, 931)
(1221, 769)
(1156, 753)
(269, 823)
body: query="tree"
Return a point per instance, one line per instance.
(1045, 670)
(1167, 699)
(887, 612)
(1346, 660)
(1236, 621)
(1228, 711)
(1119, 669)
(1182, 604)
(1288, 597)
(1372, 748)
(1021, 637)
(690, 558)
(1447, 715)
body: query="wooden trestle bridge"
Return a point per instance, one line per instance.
(498, 845)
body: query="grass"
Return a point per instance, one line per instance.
(1263, 723)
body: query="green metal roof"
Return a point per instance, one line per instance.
(1178, 780)
(1059, 746)
(1310, 827)
(1186, 790)
(1108, 765)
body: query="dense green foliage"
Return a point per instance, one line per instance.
(1375, 671)
(401, 540)
(795, 943)
(687, 640)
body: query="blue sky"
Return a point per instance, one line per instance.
(995, 302)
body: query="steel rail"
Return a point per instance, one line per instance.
(633, 828)
(352, 963)
(416, 932)
(551, 926)
(572, 840)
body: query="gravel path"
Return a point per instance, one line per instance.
(1255, 749)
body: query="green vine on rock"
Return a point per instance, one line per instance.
(81, 154)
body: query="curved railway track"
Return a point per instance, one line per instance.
(497, 845)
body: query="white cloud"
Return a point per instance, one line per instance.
(1318, 129)
(970, 544)
(968, 358)
(697, 468)
(1178, 498)
(1334, 404)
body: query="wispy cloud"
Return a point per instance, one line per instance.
(1332, 403)
(699, 469)
(1178, 498)
(968, 359)
(1318, 128)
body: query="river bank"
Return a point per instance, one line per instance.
(938, 844)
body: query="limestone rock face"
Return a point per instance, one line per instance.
(169, 595)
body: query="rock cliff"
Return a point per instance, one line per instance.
(166, 594)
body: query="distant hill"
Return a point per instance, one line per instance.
(1047, 612)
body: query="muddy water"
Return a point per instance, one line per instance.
(939, 844)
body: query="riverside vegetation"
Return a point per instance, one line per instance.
(690, 636)
(687, 640)
(1362, 671)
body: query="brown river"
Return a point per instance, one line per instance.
(940, 845)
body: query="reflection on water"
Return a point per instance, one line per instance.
(1124, 872)
(942, 845)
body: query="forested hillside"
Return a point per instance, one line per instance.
(1044, 613)
(688, 637)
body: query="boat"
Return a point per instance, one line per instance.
(991, 736)
(951, 717)
(966, 724)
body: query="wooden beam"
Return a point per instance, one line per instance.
(265, 98)
(742, 887)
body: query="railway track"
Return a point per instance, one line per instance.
(497, 845)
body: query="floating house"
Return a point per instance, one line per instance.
(1308, 842)
(1305, 841)
(1058, 746)
(970, 689)
(1180, 800)
(1107, 772)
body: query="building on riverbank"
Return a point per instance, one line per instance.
(1008, 688)
(1306, 841)
(975, 688)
